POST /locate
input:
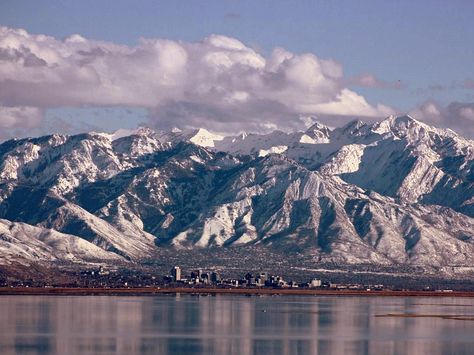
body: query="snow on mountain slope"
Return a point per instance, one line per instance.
(170, 194)
(48, 210)
(201, 137)
(278, 149)
(73, 219)
(20, 242)
(204, 138)
(246, 144)
(345, 160)
(396, 192)
(276, 203)
(316, 134)
(141, 142)
(61, 161)
(416, 163)
(399, 157)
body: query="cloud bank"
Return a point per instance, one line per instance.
(458, 116)
(218, 82)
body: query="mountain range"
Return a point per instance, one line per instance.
(397, 193)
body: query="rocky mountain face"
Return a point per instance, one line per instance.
(397, 192)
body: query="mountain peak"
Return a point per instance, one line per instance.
(316, 134)
(403, 126)
(353, 128)
(144, 131)
(317, 126)
(404, 120)
(122, 132)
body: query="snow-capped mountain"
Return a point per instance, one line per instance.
(396, 192)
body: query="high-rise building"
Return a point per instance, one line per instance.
(215, 277)
(261, 279)
(176, 273)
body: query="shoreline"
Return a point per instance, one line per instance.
(143, 291)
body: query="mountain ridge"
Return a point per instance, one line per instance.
(394, 192)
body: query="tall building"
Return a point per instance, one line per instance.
(176, 273)
(215, 277)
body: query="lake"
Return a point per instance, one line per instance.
(232, 324)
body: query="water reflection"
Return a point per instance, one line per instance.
(224, 324)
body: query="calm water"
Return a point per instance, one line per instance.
(228, 324)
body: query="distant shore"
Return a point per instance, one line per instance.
(61, 291)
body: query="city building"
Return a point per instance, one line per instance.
(215, 277)
(176, 273)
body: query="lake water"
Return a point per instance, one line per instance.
(230, 324)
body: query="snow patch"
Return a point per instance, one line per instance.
(273, 150)
(204, 138)
(196, 159)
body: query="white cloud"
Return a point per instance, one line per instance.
(218, 82)
(458, 116)
(349, 103)
(428, 111)
(467, 113)
(19, 117)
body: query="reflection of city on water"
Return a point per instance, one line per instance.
(226, 324)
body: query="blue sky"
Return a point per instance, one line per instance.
(419, 51)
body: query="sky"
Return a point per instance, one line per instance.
(231, 66)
